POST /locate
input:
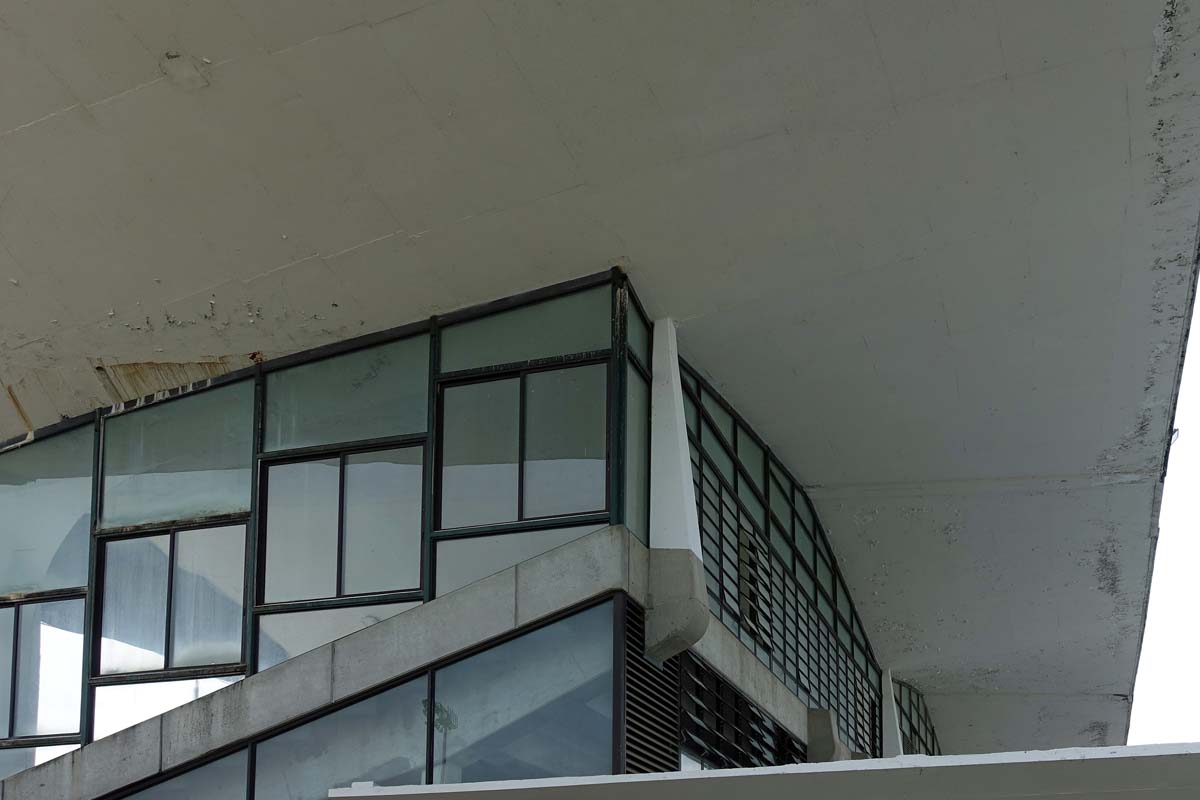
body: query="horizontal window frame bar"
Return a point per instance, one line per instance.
(43, 596)
(172, 526)
(168, 674)
(342, 601)
(516, 368)
(44, 740)
(532, 297)
(317, 451)
(600, 518)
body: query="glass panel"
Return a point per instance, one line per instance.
(575, 323)
(716, 451)
(134, 615)
(638, 335)
(480, 449)
(538, 706)
(804, 543)
(806, 515)
(302, 526)
(223, 779)
(464, 561)
(49, 668)
(284, 636)
(15, 759)
(368, 394)
(751, 456)
(7, 616)
(380, 739)
(720, 417)
(46, 508)
(120, 707)
(383, 521)
(637, 455)
(780, 507)
(565, 441)
(824, 574)
(181, 459)
(207, 603)
(690, 413)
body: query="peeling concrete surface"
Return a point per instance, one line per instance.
(936, 252)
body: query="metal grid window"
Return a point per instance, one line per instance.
(771, 575)
(720, 728)
(917, 733)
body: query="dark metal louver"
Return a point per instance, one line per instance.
(651, 703)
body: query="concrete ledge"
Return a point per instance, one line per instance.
(677, 615)
(728, 656)
(608, 560)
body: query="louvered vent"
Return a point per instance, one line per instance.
(651, 704)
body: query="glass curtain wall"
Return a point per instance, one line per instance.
(176, 543)
(917, 733)
(771, 574)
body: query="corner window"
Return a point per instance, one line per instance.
(525, 447)
(342, 525)
(45, 642)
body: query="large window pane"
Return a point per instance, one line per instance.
(45, 508)
(223, 779)
(181, 459)
(16, 759)
(480, 448)
(380, 739)
(539, 706)
(368, 394)
(565, 441)
(383, 521)
(464, 561)
(49, 668)
(637, 454)
(637, 333)
(134, 615)
(284, 636)
(120, 707)
(302, 524)
(575, 323)
(207, 596)
(7, 616)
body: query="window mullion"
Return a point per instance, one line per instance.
(340, 583)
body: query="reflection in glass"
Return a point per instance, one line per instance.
(380, 739)
(15, 759)
(46, 507)
(383, 521)
(565, 441)
(49, 668)
(7, 617)
(574, 323)
(464, 561)
(182, 459)
(637, 454)
(223, 779)
(125, 705)
(302, 524)
(206, 605)
(367, 394)
(538, 706)
(480, 449)
(284, 636)
(134, 615)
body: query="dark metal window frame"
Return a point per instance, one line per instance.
(428, 672)
(616, 356)
(168, 672)
(696, 389)
(915, 715)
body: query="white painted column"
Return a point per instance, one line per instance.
(677, 608)
(892, 743)
(673, 521)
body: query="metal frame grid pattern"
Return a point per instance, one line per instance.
(722, 729)
(614, 355)
(780, 593)
(917, 733)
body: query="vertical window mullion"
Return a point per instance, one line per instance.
(521, 427)
(12, 684)
(168, 654)
(341, 528)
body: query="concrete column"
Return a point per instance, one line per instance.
(677, 614)
(892, 743)
(824, 743)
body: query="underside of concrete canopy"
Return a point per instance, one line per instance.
(940, 254)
